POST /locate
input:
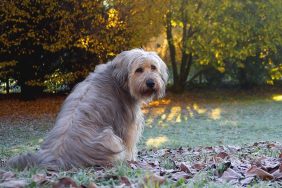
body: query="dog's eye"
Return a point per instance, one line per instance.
(153, 67)
(139, 70)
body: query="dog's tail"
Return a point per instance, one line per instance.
(23, 161)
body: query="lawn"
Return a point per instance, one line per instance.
(187, 128)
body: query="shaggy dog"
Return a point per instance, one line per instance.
(101, 121)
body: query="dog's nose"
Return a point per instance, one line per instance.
(150, 83)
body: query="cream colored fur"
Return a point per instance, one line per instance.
(101, 121)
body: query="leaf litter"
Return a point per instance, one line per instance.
(239, 166)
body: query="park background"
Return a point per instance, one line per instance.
(225, 65)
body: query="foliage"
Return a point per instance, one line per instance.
(70, 37)
(220, 31)
(56, 44)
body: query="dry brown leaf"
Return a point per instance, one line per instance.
(125, 180)
(263, 175)
(269, 164)
(258, 162)
(39, 178)
(154, 164)
(154, 179)
(247, 180)
(178, 175)
(222, 155)
(14, 184)
(185, 168)
(277, 175)
(252, 170)
(199, 166)
(8, 176)
(92, 185)
(271, 145)
(65, 182)
(230, 174)
(133, 166)
(233, 148)
(209, 148)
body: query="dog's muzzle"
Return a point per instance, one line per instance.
(150, 83)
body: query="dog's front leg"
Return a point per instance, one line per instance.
(131, 154)
(133, 135)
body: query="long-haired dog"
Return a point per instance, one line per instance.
(101, 121)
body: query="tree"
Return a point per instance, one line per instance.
(61, 41)
(7, 72)
(29, 32)
(218, 31)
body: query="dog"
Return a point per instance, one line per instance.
(101, 121)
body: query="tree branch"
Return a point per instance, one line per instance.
(196, 75)
(171, 45)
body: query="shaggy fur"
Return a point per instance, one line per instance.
(101, 121)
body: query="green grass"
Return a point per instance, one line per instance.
(223, 122)
(205, 119)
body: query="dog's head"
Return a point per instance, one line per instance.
(142, 73)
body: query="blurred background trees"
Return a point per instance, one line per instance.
(49, 46)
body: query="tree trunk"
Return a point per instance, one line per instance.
(171, 46)
(7, 86)
(27, 73)
(178, 87)
(179, 76)
(243, 80)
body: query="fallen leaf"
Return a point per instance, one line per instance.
(210, 148)
(183, 167)
(167, 171)
(39, 178)
(125, 180)
(8, 176)
(233, 148)
(277, 175)
(271, 145)
(263, 175)
(230, 174)
(247, 181)
(14, 184)
(199, 166)
(154, 164)
(52, 173)
(65, 182)
(154, 179)
(92, 185)
(258, 162)
(133, 166)
(178, 175)
(222, 155)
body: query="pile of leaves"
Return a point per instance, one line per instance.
(239, 166)
(232, 165)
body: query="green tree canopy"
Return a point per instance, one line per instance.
(219, 31)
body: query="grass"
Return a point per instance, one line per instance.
(212, 120)
(191, 119)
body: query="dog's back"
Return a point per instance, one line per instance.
(84, 131)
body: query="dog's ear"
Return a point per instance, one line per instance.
(120, 69)
(163, 69)
(164, 72)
